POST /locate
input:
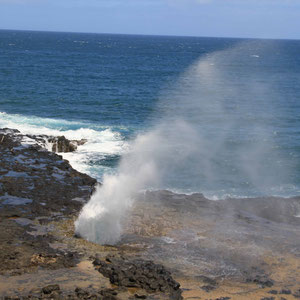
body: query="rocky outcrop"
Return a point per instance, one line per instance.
(54, 291)
(58, 144)
(139, 273)
(45, 179)
(37, 187)
(40, 194)
(61, 144)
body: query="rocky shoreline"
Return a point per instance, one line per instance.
(174, 246)
(38, 191)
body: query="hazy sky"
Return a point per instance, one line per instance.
(237, 18)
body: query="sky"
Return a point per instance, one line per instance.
(218, 18)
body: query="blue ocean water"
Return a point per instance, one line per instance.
(243, 94)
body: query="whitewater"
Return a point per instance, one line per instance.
(102, 143)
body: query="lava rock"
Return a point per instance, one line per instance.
(139, 273)
(208, 288)
(273, 292)
(297, 294)
(208, 280)
(50, 288)
(261, 279)
(140, 296)
(62, 144)
(285, 291)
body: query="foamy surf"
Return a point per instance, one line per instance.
(101, 143)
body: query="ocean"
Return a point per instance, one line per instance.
(237, 103)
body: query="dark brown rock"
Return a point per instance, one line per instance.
(285, 291)
(61, 144)
(140, 274)
(208, 288)
(261, 279)
(39, 185)
(50, 288)
(296, 294)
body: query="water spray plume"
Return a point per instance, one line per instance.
(205, 137)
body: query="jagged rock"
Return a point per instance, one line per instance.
(297, 294)
(261, 279)
(35, 184)
(61, 144)
(50, 288)
(81, 293)
(140, 296)
(140, 274)
(109, 294)
(285, 292)
(208, 288)
(208, 280)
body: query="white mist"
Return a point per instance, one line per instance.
(210, 108)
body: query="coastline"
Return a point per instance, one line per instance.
(244, 249)
(41, 195)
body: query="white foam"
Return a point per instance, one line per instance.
(101, 142)
(168, 240)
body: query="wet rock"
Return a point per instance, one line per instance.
(261, 279)
(38, 186)
(9, 131)
(81, 293)
(268, 298)
(223, 298)
(61, 144)
(208, 280)
(285, 291)
(50, 288)
(208, 288)
(273, 292)
(297, 294)
(140, 296)
(109, 294)
(56, 295)
(79, 142)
